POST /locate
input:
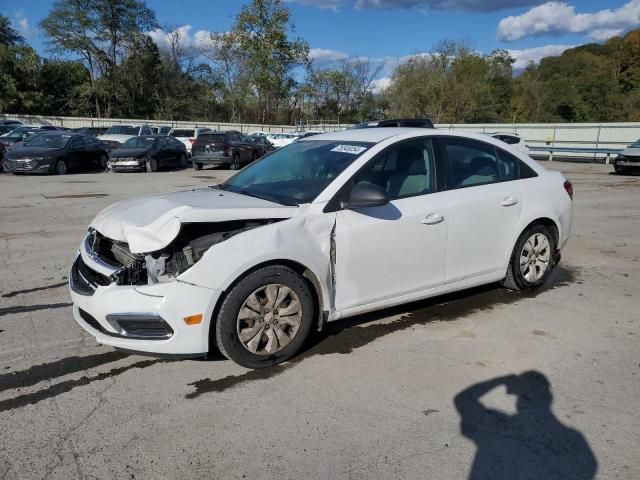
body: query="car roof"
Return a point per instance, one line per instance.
(372, 135)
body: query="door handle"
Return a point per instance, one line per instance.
(509, 201)
(433, 219)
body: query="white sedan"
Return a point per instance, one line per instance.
(329, 227)
(280, 140)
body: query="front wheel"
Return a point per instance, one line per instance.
(61, 167)
(265, 318)
(102, 162)
(197, 166)
(151, 165)
(532, 259)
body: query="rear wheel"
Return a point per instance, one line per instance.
(235, 162)
(182, 161)
(265, 318)
(61, 167)
(532, 259)
(151, 165)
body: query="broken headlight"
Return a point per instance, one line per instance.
(190, 245)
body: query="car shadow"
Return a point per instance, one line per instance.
(530, 444)
(345, 336)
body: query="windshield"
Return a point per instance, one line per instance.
(139, 142)
(48, 140)
(297, 173)
(122, 130)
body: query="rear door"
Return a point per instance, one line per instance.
(485, 202)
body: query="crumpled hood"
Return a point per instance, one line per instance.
(151, 223)
(631, 152)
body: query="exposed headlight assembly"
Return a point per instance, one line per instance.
(191, 244)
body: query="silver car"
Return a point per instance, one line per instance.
(629, 159)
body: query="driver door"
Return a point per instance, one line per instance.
(397, 249)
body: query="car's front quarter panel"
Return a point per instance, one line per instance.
(304, 239)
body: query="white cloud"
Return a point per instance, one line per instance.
(557, 18)
(535, 54)
(22, 22)
(466, 5)
(326, 4)
(381, 84)
(199, 39)
(324, 56)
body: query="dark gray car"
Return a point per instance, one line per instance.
(56, 152)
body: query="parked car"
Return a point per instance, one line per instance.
(95, 131)
(223, 148)
(308, 133)
(188, 136)
(512, 139)
(13, 123)
(280, 140)
(330, 227)
(398, 122)
(628, 160)
(150, 153)
(18, 135)
(262, 143)
(56, 152)
(161, 130)
(6, 129)
(116, 135)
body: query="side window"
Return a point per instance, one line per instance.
(403, 171)
(469, 163)
(507, 166)
(75, 143)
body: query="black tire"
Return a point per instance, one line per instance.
(515, 279)
(235, 163)
(61, 167)
(182, 161)
(226, 331)
(619, 170)
(151, 165)
(197, 166)
(102, 162)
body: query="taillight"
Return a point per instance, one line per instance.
(569, 188)
(192, 140)
(229, 152)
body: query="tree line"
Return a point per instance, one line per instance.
(103, 63)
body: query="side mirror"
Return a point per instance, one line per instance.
(367, 194)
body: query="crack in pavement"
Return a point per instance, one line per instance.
(30, 290)
(32, 308)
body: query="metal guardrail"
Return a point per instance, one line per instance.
(607, 152)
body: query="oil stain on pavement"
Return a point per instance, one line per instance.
(345, 336)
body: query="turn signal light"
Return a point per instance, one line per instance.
(193, 319)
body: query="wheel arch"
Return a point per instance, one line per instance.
(302, 270)
(540, 220)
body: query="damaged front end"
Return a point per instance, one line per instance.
(114, 263)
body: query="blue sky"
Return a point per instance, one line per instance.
(391, 29)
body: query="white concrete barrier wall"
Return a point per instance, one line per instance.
(584, 135)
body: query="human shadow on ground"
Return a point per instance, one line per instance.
(532, 443)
